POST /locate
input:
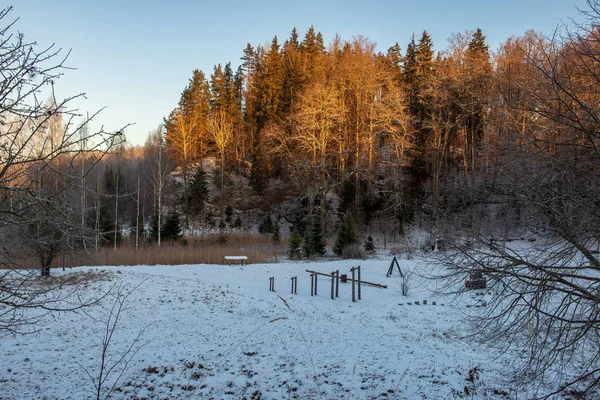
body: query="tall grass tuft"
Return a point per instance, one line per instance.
(208, 249)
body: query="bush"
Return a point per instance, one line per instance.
(353, 251)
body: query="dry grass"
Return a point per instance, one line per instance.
(208, 249)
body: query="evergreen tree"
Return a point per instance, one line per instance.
(409, 72)
(198, 192)
(418, 72)
(307, 247)
(171, 229)
(276, 237)
(317, 236)
(271, 85)
(259, 171)
(370, 245)
(424, 56)
(294, 39)
(346, 235)
(294, 77)
(295, 245)
(313, 42)
(249, 59)
(217, 88)
(154, 228)
(266, 226)
(106, 224)
(394, 61)
(479, 79)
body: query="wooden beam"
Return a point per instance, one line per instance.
(349, 279)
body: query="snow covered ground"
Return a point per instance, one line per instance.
(216, 331)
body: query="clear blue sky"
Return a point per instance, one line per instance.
(135, 57)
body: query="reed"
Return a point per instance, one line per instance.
(208, 249)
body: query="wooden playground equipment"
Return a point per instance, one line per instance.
(335, 276)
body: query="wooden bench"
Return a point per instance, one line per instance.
(241, 258)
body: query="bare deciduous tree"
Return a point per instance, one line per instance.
(546, 292)
(41, 148)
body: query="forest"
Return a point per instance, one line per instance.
(301, 135)
(462, 139)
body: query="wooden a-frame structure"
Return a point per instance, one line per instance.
(391, 269)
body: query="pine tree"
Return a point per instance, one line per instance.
(370, 245)
(317, 236)
(271, 84)
(106, 224)
(171, 226)
(154, 228)
(171, 229)
(198, 192)
(295, 245)
(418, 72)
(294, 77)
(294, 39)
(409, 72)
(313, 42)
(307, 243)
(394, 61)
(228, 88)
(346, 235)
(266, 226)
(424, 55)
(259, 171)
(276, 237)
(479, 71)
(217, 88)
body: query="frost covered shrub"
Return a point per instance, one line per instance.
(353, 251)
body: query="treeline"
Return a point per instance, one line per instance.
(393, 139)
(376, 128)
(400, 135)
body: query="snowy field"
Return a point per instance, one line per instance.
(216, 331)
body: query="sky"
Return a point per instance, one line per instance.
(133, 59)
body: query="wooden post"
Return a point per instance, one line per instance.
(272, 284)
(333, 285)
(337, 283)
(316, 275)
(294, 285)
(312, 284)
(359, 283)
(353, 290)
